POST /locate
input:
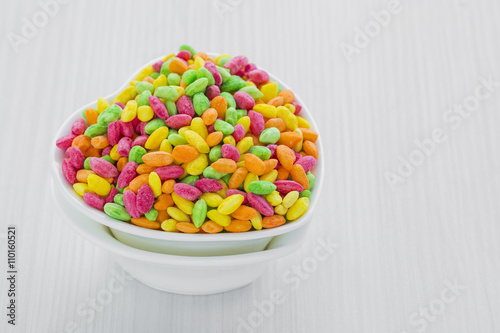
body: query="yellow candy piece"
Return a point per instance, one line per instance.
(199, 127)
(274, 198)
(195, 140)
(302, 122)
(155, 139)
(180, 92)
(185, 174)
(244, 145)
(169, 225)
(280, 209)
(161, 81)
(268, 111)
(230, 204)
(198, 63)
(223, 220)
(171, 55)
(178, 214)
(155, 183)
(190, 61)
(222, 192)
(216, 60)
(290, 199)
(181, 131)
(249, 179)
(212, 199)
(98, 185)
(270, 90)
(250, 83)
(130, 111)
(271, 176)
(245, 122)
(114, 153)
(102, 105)
(145, 73)
(229, 140)
(81, 188)
(298, 209)
(166, 146)
(145, 113)
(257, 221)
(126, 95)
(196, 166)
(298, 146)
(288, 117)
(183, 204)
(241, 164)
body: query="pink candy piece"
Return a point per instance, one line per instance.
(158, 107)
(111, 196)
(178, 121)
(141, 127)
(124, 146)
(114, 132)
(231, 192)
(215, 73)
(212, 91)
(126, 129)
(76, 157)
(298, 108)
(103, 168)
(120, 104)
(272, 148)
(168, 172)
(187, 191)
(286, 186)
(69, 171)
(257, 124)
(211, 128)
(65, 141)
(239, 132)
(231, 152)
(135, 121)
(258, 76)
(236, 64)
(207, 185)
(130, 200)
(66, 153)
(244, 100)
(297, 156)
(185, 106)
(184, 54)
(307, 162)
(140, 141)
(157, 66)
(94, 200)
(78, 127)
(106, 151)
(261, 204)
(248, 68)
(128, 173)
(145, 199)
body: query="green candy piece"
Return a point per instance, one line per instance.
(231, 103)
(270, 135)
(152, 214)
(222, 61)
(174, 79)
(231, 116)
(224, 127)
(177, 140)
(154, 124)
(171, 108)
(190, 180)
(197, 86)
(261, 187)
(136, 154)
(201, 103)
(120, 190)
(233, 84)
(262, 152)
(86, 163)
(117, 212)
(242, 113)
(172, 131)
(164, 68)
(311, 179)
(143, 98)
(215, 153)
(83, 115)
(118, 199)
(109, 159)
(112, 113)
(166, 92)
(186, 47)
(189, 76)
(203, 72)
(224, 73)
(199, 212)
(305, 193)
(96, 130)
(226, 178)
(211, 173)
(142, 86)
(155, 75)
(253, 91)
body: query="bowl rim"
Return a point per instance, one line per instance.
(77, 202)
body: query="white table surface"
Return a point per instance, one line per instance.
(399, 247)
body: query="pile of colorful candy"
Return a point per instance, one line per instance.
(195, 145)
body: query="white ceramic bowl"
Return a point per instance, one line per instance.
(179, 243)
(181, 274)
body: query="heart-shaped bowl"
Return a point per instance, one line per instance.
(180, 243)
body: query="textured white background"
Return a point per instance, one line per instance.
(397, 246)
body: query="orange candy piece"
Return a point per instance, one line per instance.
(164, 201)
(270, 165)
(99, 142)
(225, 165)
(273, 221)
(92, 152)
(83, 174)
(288, 96)
(254, 164)
(185, 153)
(283, 173)
(144, 168)
(145, 223)
(286, 156)
(219, 103)
(210, 227)
(121, 163)
(168, 186)
(276, 122)
(177, 66)
(91, 116)
(289, 139)
(276, 101)
(244, 213)
(239, 226)
(209, 116)
(299, 175)
(309, 134)
(187, 227)
(311, 149)
(138, 181)
(238, 178)
(157, 159)
(81, 142)
(214, 138)
(162, 216)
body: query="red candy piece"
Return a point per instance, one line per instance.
(185, 106)
(168, 172)
(128, 173)
(65, 141)
(179, 120)
(145, 199)
(69, 171)
(158, 107)
(208, 185)
(94, 200)
(286, 186)
(130, 201)
(103, 168)
(187, 191)
(261, 204)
